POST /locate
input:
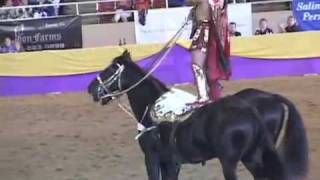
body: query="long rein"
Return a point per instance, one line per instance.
(140, 127)
(169, 44)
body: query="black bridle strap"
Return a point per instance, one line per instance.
(105, 84)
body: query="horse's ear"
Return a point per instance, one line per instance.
(126, 55)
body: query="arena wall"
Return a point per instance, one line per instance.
(71, 70)
(98, 35)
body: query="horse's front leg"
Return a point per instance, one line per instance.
(149, 145)
(170, 170)
(229, 169)
(152, 165)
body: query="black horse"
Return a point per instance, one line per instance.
(243, 127)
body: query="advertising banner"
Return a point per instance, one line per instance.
(44, 34)
(307, 13)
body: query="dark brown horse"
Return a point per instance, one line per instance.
(240, 128)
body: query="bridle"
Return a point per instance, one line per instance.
(105, 85)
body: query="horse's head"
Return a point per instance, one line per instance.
(110, 82)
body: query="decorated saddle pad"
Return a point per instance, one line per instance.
(172, 106)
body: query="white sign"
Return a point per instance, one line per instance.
(162, 24)
(241, 14)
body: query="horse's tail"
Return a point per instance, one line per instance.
(294, 145)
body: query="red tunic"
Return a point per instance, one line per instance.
(142, 4)
(218, 57)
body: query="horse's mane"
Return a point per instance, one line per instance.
(126, 59)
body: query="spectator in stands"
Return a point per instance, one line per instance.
(162, 3)
(16, 12)
(176, 3)
(263, 28)
(18, 46)
(20, 13)
(11, 13)
(142, 7)
(49, 9)
(8, 47)
(3, 13)
(2, 3)
(15, 3)
(18, 2)
(42, 11)
(55, 7)
(233, 29)
(33, 2)
(39, 13)
(120, 14)
(106, 7)
(292, 25)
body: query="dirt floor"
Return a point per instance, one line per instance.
(68, 137)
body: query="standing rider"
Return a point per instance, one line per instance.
(210, 48)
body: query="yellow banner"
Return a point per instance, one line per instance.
(278, 46)
(68, 62)
(79, 61)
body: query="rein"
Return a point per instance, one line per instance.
(155, 67)
(140, 127)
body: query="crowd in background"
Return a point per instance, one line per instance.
(263, 27)
(120, 8)
(11, 46)
(122, 15)
(24, 12)
(118, 13)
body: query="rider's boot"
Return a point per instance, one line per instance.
(201, 84)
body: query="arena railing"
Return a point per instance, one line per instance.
(75, 4)
(261, 1)
(78, 4)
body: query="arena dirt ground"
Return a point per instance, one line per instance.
(68, 137)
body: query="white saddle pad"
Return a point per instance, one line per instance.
(172, 105)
